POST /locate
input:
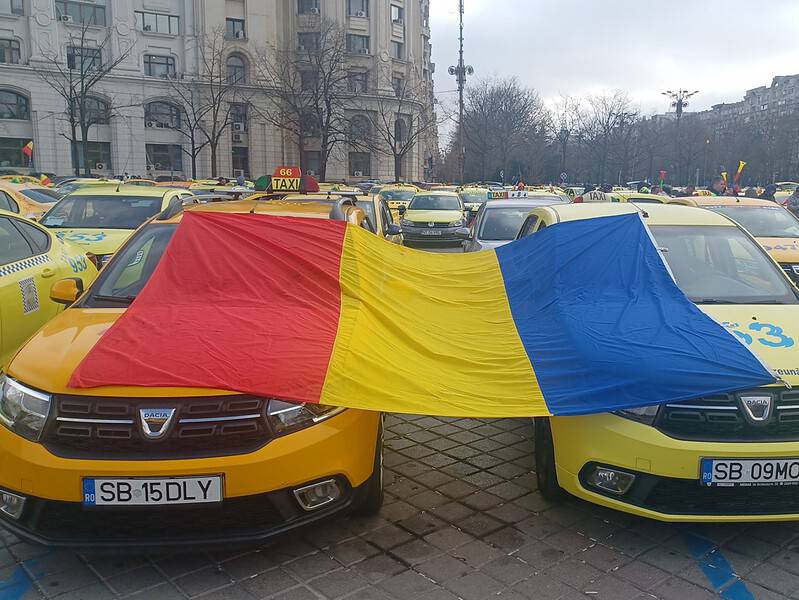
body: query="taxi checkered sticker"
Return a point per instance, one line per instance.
(21, 265)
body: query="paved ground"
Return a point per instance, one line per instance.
(462, 519)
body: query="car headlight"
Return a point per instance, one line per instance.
(642, 414)
(458, 223)
(407, 223)
(23, 410)
(285, 417)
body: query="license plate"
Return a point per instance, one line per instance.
(749, 472)
(431, 232)
(152, 492)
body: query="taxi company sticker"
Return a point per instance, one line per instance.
(83, 237)
(30, 296)
(765, 334)
(77, 263)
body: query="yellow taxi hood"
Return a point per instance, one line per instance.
(96, 241)
(783, 250)
(433, 216)
(64, 342)
(771, 331)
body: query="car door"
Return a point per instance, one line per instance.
(386, 220)
(25, 270)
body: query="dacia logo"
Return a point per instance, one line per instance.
(155, 422)
(757, 409)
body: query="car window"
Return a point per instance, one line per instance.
(8, 203)
(368, 207)
(501, 224)
(128, 272)
(763, 221)
(474, 196)
(39, 239)
(529, 226)
(107, 212)
(13, 245)
(434, 202)
(41, 195)
(385, 215)
(721, 265)
(403, 195)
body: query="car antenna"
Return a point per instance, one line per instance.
(644, 214)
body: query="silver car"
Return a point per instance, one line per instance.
(499, 221)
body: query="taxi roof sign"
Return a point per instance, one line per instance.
(286, 179)
(498, 195)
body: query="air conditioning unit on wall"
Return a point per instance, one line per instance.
(360, 13)
(99, 166)
(238, 127)
(65, 18)
(314, 10)
(358, 174)
(150, 124)
(237, 137)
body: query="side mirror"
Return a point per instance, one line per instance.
(394, 229)
(464, 233)
(402, 209)
(66, 291)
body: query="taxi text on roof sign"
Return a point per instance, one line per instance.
(286, 179)
(492, 195)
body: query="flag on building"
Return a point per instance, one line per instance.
(27, 149)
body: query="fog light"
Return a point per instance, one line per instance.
(611, 480)
(317, 495)
(11, 504)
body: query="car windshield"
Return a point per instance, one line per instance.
(129, 270)
(41, 195)
(502, 224)
(474, 196)
(106, 212)
(434, 202)
(721, 265)
(763, 221)
(403, 195)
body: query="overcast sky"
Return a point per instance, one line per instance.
(577, 47)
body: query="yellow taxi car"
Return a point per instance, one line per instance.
(338, 187)
(473, 197)
(397, 194)
(99, 218)
(433, 217)
(26, 199)
(621, 196)
(669, 462)
(784, 189)
(773, 226)
(31, 259)
(265, 465)
(67, 186)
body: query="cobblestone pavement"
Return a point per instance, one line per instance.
(462, 519)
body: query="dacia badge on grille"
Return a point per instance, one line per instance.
(757, 409)
(155, 422)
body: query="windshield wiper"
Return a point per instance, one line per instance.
(119, 299)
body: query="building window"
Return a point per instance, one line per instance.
(397, 14)
(9, 52)
(164, 157)
(308, 7)
(162, 114)
(309, 80)
(236, 69)
(358, 82)
(234, 29)
(308, 41)
(360, 164)
(84, 59)
(84, 13)
(358, 44)
(241, 161)
(157, 22)
(95, 111)
(400, 131)
(360, 129)
(238, 116)
(11, 151)
(309, 126)
(312, 159)
(159, 66)
(398, 84)
(14, 106)
(12, 7)
(358, 8)
(397, 50)
(99, 155)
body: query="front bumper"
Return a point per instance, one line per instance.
(667, 484)
(441, 235)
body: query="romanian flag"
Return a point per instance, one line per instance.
(45, 180)
(27, 149)
(582, 317)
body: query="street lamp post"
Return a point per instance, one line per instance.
(679, 100)
(460, 72)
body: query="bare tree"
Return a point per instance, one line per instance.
(88, 62)
(306, 90)
(563, 122)
(205, 97)
(603, 125)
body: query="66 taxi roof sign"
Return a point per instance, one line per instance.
(286, 179)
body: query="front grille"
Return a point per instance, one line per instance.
(721, 418)
(109, 428)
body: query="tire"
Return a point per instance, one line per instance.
(545, 471)
(368, 498)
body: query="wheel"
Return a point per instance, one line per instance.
(369, 496)
(545, 471)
